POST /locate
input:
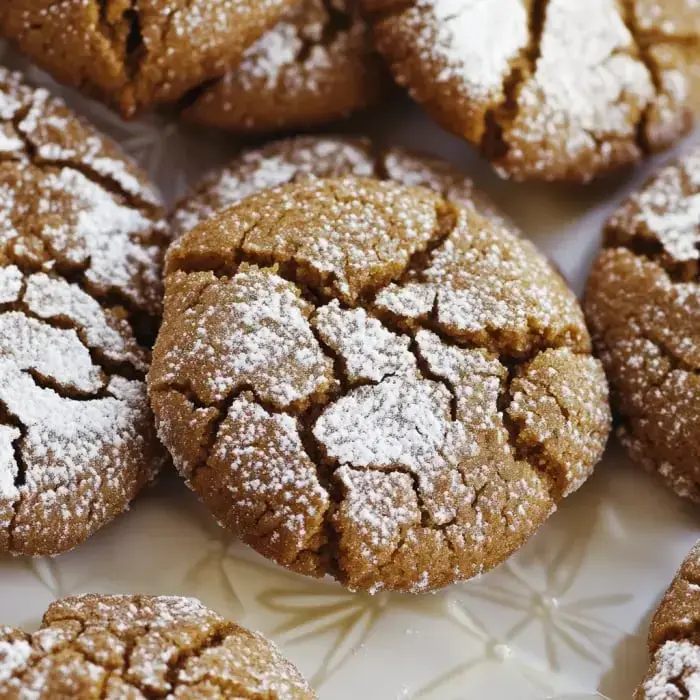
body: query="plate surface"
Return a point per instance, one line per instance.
(565, 618)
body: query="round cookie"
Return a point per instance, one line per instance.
(366, 380)
(642, 304)
(135, 55)
(81, 246)
(674, 641)
(315, 66)
(562, 90)
(135, 647)
(303, 157)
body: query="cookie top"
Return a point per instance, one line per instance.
(81, 246)
(674, 642)
(367, 380)
(315, 66)
(134, 55)
(643, 307)
(304, 157)
(138, 647)
(561, 90)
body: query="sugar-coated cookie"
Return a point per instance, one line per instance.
(134, 647)
(366, 380)
(557, 90)
(81, 246)
(642, 304)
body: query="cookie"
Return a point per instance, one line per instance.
(134, 55)
(674, 642)
(137, 647)
(315, 66)
(642, 304)
(291, 160)
(562, 90)
(81, 245)
(366, 380)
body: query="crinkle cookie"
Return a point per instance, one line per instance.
(643, 308)
(305, 157)
(555, 90)
(366, 380)
(315, 66)
(136, 54)
(674, 641)
(134, 647)
(81, 245)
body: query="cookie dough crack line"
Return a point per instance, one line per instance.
(7, 417)
(104, 181)
(630, 19)
(497, 119)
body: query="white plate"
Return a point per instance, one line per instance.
(566, 617)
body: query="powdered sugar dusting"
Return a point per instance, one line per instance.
(675, 672)
(8, 465)
(11, 282)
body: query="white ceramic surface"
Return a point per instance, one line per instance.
(564, 618)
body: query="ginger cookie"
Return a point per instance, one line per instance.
(366, 380)
(674, 642)
(643, 308)
(304, 157)
(137, 647)
(315, 66)
(81, 245)
(134, 55)
(557, 90)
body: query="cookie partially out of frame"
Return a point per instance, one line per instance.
(642, 304)
(317, 65)
(674, 641)
(291, 160)
(135, 55)
(82, 237)
(134, 647)
(367, 380)
(558, 90)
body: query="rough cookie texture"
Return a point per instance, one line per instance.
(81, 245)
(643, 307)
(367, 380)
(317, 65)
(295, 159)
(674, 642)
(133, 647)
(549, 89)
(135, 54)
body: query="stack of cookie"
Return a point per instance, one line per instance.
(359, 365)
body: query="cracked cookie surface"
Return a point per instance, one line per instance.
(549, 89)
(137, 647)
(674, 643)
(137, 54)
(291, 160)
(642, 303)
(81, 245)
(317, 65)
(366, 380)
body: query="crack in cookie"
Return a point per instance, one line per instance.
(309, 410)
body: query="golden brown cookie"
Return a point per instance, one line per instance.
(643, 308)
(557, 90)
(295, 159)
(674, 641)
(81, 246)
(133, 647)
(366, 380)
(315, 66)
(134, 55)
